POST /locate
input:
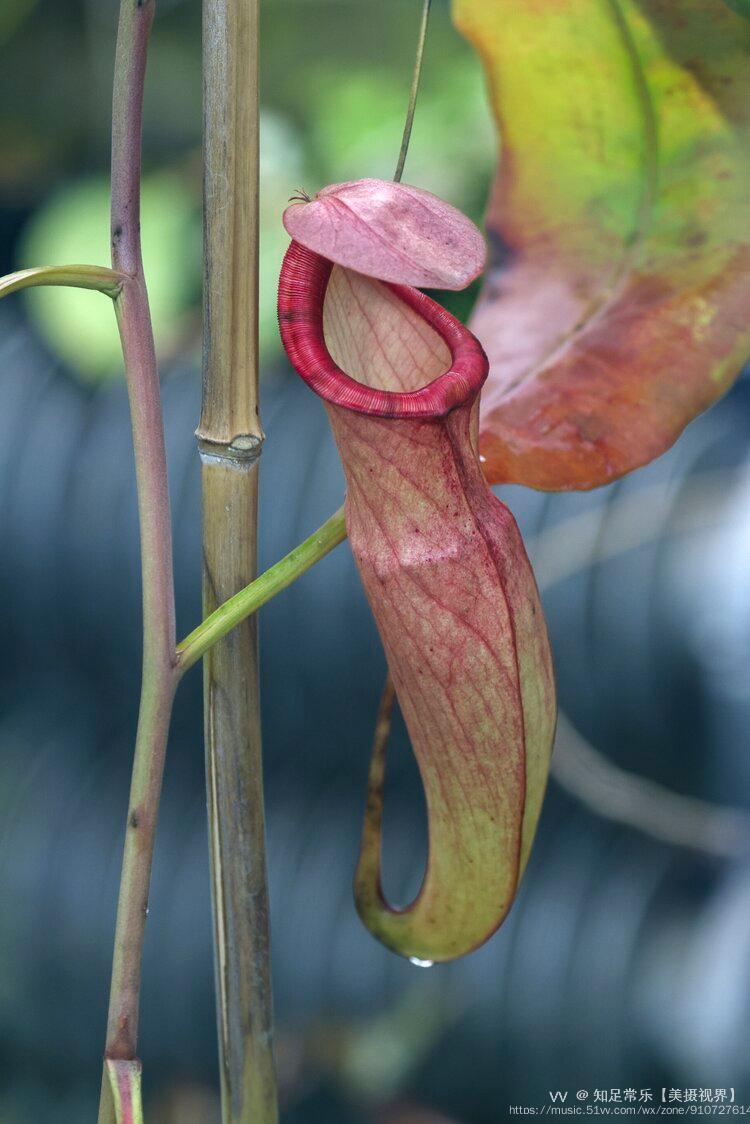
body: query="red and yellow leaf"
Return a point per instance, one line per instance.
(617, 306)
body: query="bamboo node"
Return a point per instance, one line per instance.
(243, 450)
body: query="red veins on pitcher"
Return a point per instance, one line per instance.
(440, 557)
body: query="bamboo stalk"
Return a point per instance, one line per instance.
(230, 440)
(160, 671)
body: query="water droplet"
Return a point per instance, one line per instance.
(420, 963)
(482, 459)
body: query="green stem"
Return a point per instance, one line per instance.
(98, 277)
(422, 39)
(257, 593)
(125, 1085)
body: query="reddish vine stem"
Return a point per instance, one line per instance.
(160, 673)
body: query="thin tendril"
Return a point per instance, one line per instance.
(414, 91)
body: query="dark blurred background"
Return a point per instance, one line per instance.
(625, 962)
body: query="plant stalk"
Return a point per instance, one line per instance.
(125, 1084)
(282, 574)
(160, 673)
(230, 440)
(417, 74)
(96, 277)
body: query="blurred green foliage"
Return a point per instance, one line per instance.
(335, 82)
(12, 14)
(73, 225)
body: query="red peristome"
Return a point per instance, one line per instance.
(302, 288)
(451, 590)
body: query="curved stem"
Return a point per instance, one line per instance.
(643, 804)
(257, 593)
(160, 675)
(159, 668)
(98, 277)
